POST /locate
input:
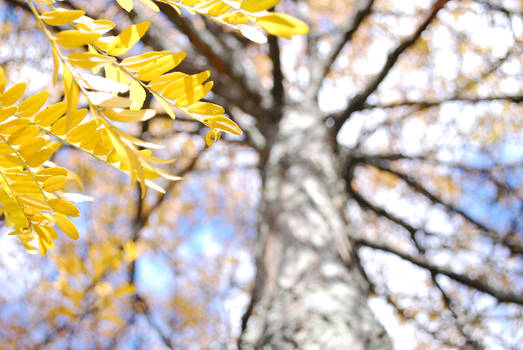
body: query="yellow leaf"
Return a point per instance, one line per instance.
(106, 42)
(117, 75)
(2, 80)
(139, 142)
(147, 155)
(56, 64)
(43, 245)
(194, 95)
(17, 175)
(89, 60)
(127, 5)
(190, 2)
(40, 157)
(10, 162)
(221, 122)
(75, 38)
(100, 26)
(114, 156)
(90, 141)
(282, 25)
(55, 183)
(66, 225)
(95, 82)
(82, 131)
(31, 105)
(137, 95)
(235, 18)
(212, 136)
(49, 115)
(5, 149)
(33, 202)
(134, 63)
(125, 289)
(63, 125)
(44, 174)
(128, 38)
(104, 145)
(151, 5)
(182, 86)
(61, 16)
(12, 95)
(160, 65)
(23, 135)
(47, 234)
(105, 99)
(62, 206)
(206, 108)
(131, 253)
(70, 90)
(34, 146)
(126, 115)
(13, 126)
(258, 5)
(161, 82)
(25, 187)
(218, 9)
(7, 112)
(45, 2)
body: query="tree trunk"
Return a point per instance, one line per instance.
(307, 294)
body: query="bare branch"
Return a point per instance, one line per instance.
(436, 103)
(278, 93)
(362, 12)
(496, 7)
(365, 204)
(449, 304)
(501, 296)
(146, 310)
(358, 101)
(404, 313)
(418, 187)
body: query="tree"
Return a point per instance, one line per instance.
(385, 139)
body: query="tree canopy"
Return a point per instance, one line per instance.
(230, 116)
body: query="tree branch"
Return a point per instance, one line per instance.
(149, 317)
(358, 101)
(449, 304)
(277, 91)
(435, 103)
(514, 247)
(501, 296)
(418, 187)
(323, 67)
(365, 204)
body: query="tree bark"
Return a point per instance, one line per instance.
(307, 293)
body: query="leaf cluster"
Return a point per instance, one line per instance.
(114, 89)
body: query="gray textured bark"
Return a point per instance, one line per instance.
(307, 294)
